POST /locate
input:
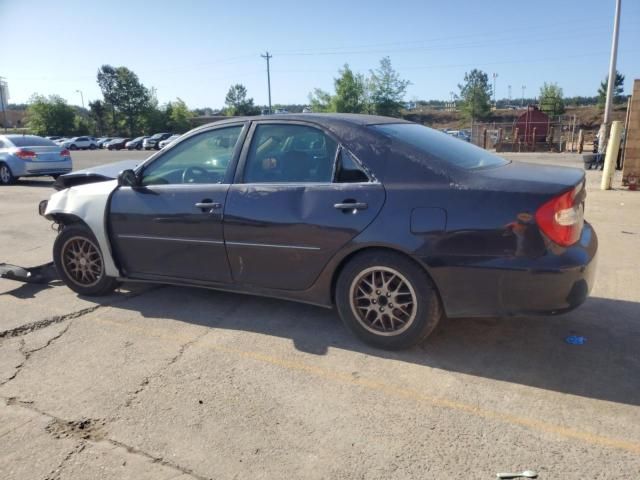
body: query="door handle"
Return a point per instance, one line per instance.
(209, 205)
(351, 206)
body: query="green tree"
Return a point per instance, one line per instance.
(107, 81)
(387, 89)
(618, 90)
(238, 103)
(179, 116)
(122, 88)
(321, 101)
(350, 94)
(551, 99)
(98, 113)
(50, 116)
(475, 95)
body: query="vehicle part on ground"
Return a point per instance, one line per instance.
(40, 274)
(525, 474)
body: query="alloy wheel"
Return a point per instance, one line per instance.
(82, 261)
(383, 301)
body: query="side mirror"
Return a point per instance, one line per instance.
(128, 178)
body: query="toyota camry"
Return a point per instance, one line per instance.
(392, 223)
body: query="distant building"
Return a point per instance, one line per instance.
(527, 121)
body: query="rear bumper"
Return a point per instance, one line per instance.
(32, 169)
(558, 282)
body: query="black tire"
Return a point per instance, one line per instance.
(6, 175)
(97, 283)
(421, 315)
(92, 147)
(73, 147)
(138, 147)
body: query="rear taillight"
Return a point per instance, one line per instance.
(562, 217)
(25, 154)
(65, 153)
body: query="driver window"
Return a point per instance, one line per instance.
(282, 153)
(203, 158)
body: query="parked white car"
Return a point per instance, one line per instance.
(164, 143)
(80, 143)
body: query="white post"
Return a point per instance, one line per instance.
(612, 155)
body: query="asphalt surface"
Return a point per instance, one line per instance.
(164, 382)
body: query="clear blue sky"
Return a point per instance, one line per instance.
(196, 49)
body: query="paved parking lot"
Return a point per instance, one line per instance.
(160, 382)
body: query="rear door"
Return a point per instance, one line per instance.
(171, 226)
(292, 206)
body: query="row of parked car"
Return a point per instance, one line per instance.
(147, 142)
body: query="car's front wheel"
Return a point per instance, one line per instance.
(6, 176)
(73, 146)
(387, 300)
(80, 263)
(92, 147)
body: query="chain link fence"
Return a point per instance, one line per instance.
(532, 134)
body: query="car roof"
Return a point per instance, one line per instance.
(327, 119)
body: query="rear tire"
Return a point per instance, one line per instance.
(6, 176)
(73, 147)
(80, 263)
(92, 147)
(387, 300)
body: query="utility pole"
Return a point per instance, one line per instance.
(523, 89)
(267, 57)
(509, 95)
(81, 97)
(495, 98)
(604, 128)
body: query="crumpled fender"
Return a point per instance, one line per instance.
(89, 203)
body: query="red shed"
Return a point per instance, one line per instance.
(532, 118)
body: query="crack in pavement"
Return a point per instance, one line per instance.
(145, 382)
(55, 474)
(15, 402)
(27, 353)
(40, 324)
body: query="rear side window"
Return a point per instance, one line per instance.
(31, 141)
(286, 153)
(444, 147)
(348, 169)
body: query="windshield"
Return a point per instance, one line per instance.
(444, 147)
(31, 141)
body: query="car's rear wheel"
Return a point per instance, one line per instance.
(92, 147)
(80, 263)
(387, 300)
(73, 147)
(6, 176)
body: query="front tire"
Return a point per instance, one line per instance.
(80, 263)
(73, 147)
(6, 176)
(387, 300)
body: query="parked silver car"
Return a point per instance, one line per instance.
(30, 156)
(167, 141)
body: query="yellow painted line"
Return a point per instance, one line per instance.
(396, 391)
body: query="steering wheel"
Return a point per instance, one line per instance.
(191, 174)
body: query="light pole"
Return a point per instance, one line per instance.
(81, 97)
(3, 102)
(604, 128)
(523, 89)
(509, 94)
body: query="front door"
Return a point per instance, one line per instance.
(171, 225)
(298, 200)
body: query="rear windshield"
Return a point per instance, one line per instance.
(444, 147)
(30, 141)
